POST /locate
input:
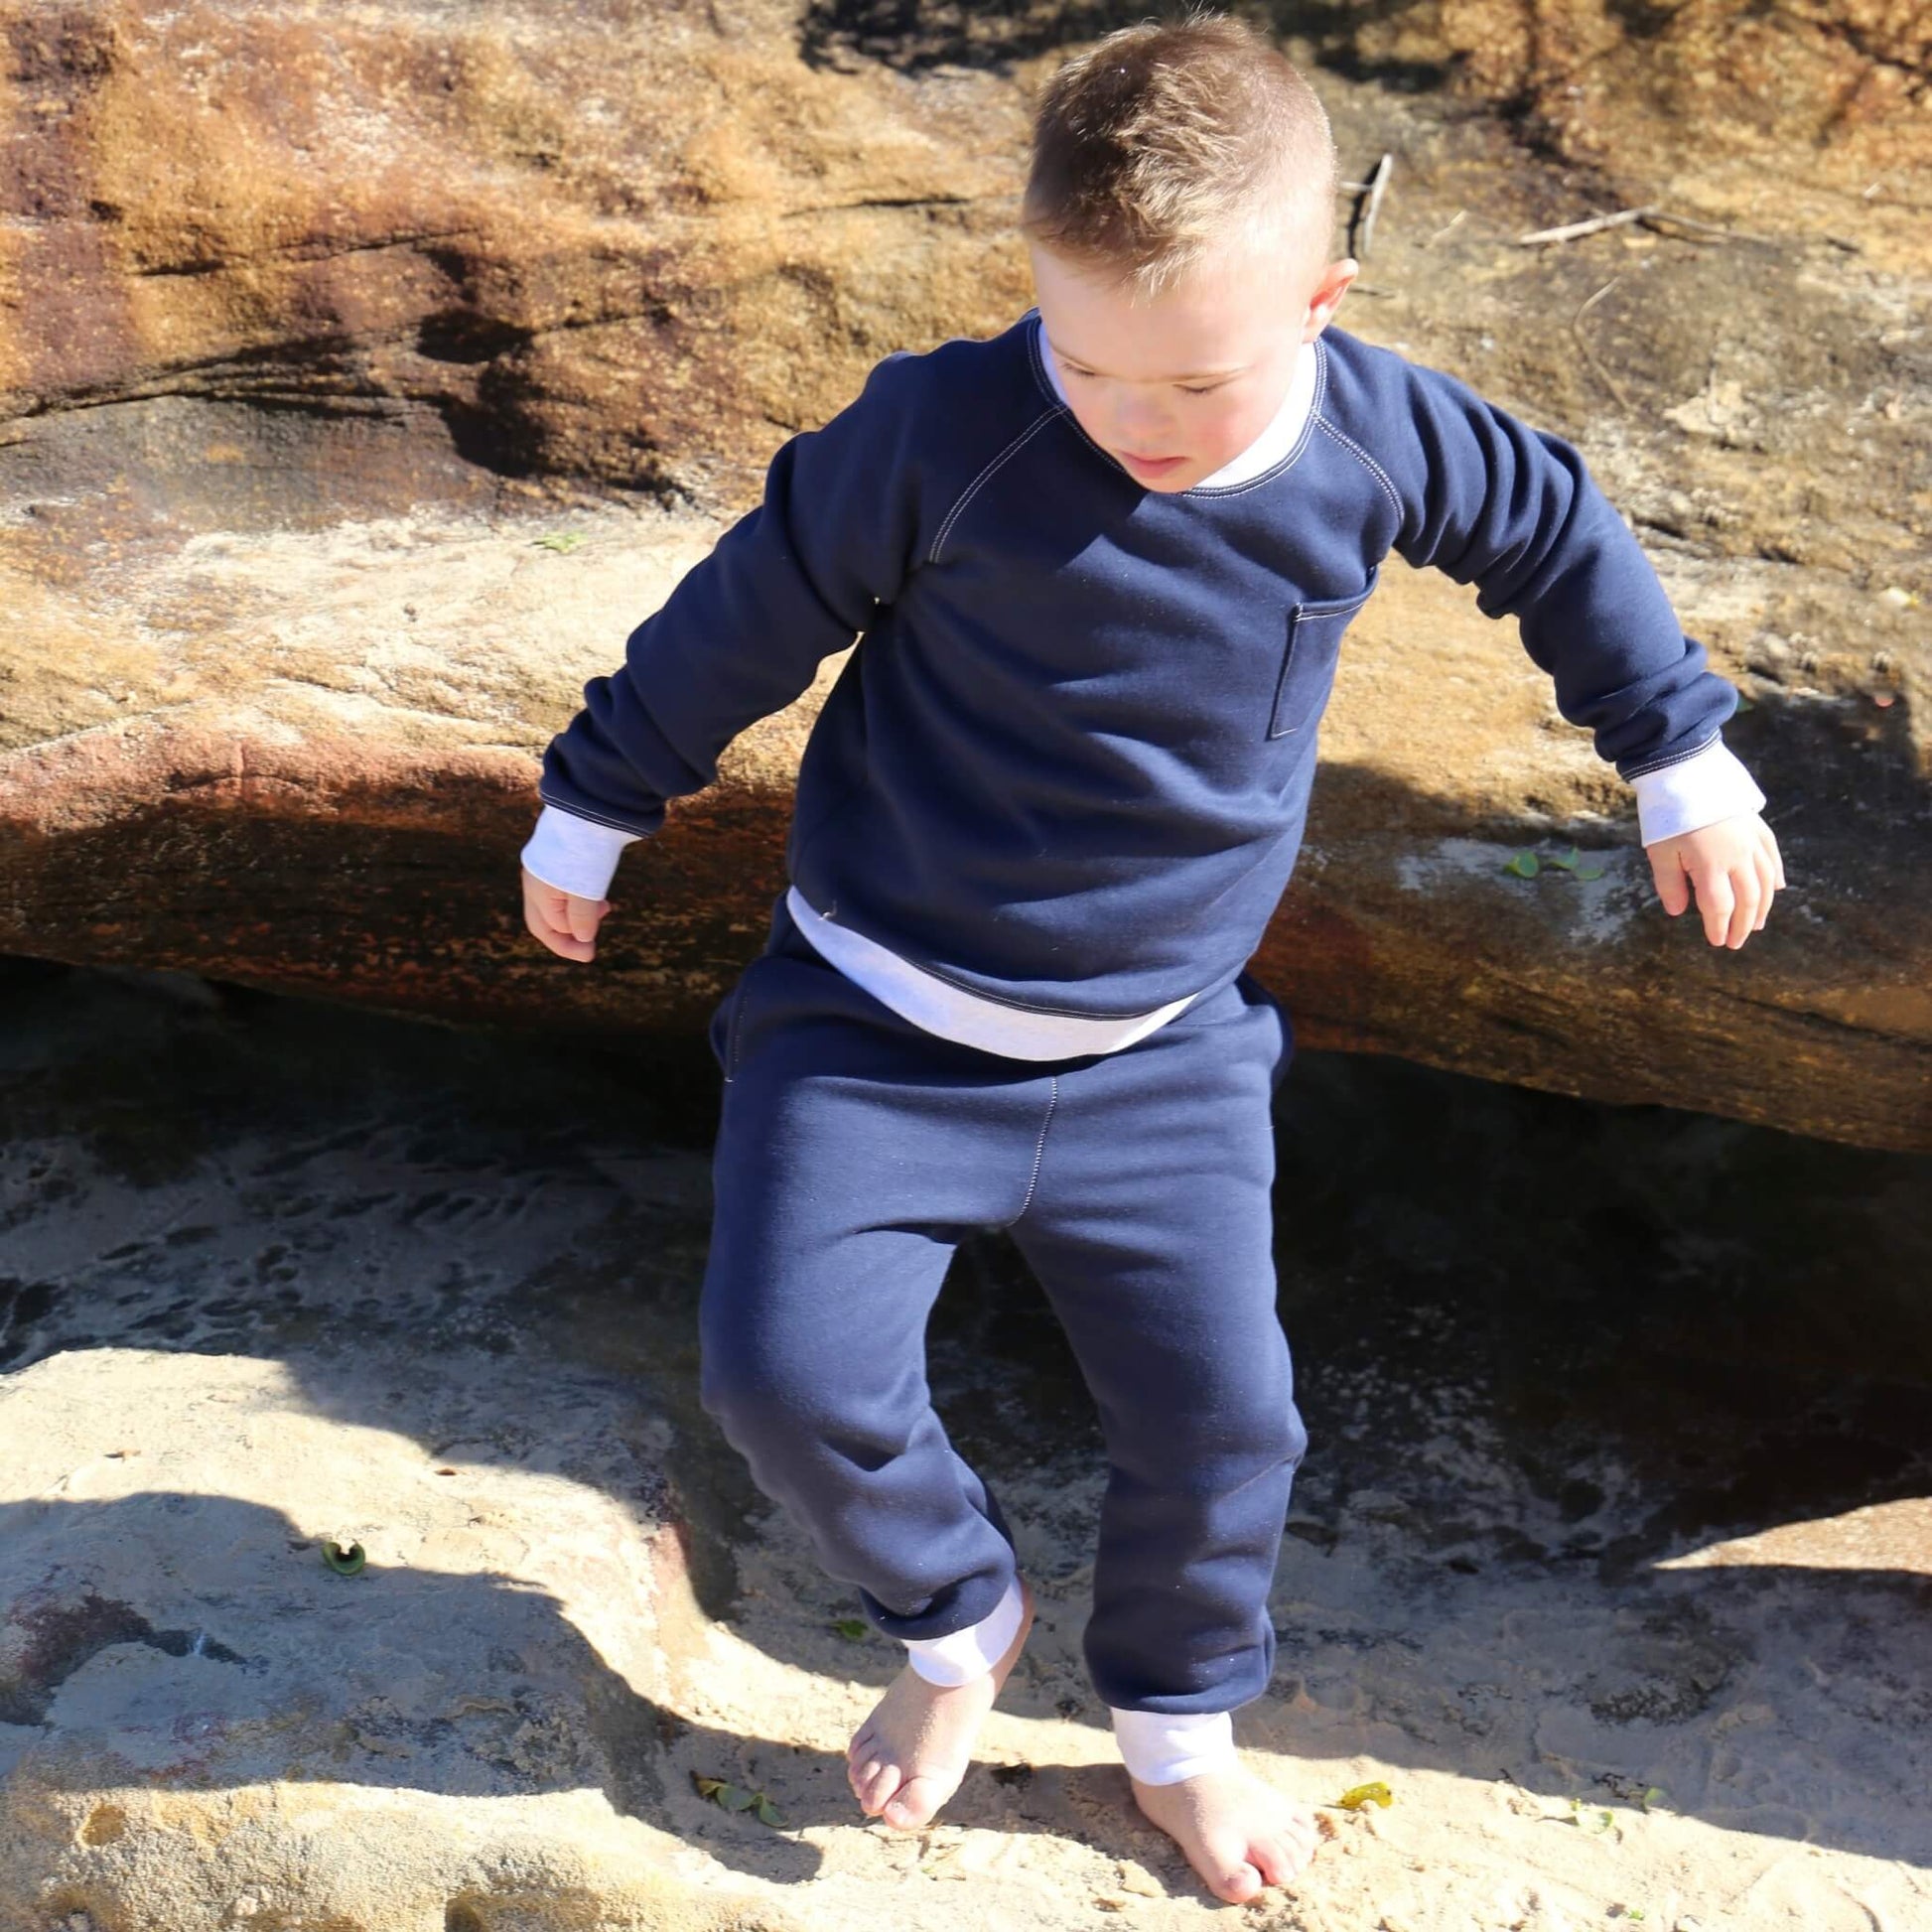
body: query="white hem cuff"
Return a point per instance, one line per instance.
(969, 1653)
(935, 1006)
(1161, 1750)
(1693, 792)
(575, 855)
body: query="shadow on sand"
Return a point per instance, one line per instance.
(1543, 1348)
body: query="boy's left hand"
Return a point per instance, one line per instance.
(1735, 868)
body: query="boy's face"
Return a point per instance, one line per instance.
(1193, 377)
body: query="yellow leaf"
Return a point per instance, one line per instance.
(1373, 1793)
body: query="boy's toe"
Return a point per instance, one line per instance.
(1236, 1880)
(917, 1801)
(1278, 1860)
(876, 1783)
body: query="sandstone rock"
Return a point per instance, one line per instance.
(311, 335)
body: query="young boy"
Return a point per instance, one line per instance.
(1098, 567)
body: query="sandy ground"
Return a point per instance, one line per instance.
(1612, 1556)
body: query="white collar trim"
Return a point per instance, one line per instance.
(1267, 449)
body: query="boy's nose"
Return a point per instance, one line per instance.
(1144, 435)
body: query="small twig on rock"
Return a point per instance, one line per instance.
(1670, 221)
(1363, 237)
(1589, 355)
(1454, 221)
(1593, 226)
(1660, 219)
(1591, 301)
(1747, 235)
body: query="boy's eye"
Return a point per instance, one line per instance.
(1206, 390)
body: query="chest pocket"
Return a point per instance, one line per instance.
(1309, 662)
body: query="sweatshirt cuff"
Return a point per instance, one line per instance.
(575, 855)
(1693, 792)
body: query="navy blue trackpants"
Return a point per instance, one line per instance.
(853, 1152)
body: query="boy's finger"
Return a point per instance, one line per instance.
(1715, 902)
(1767, 886)
(1745, 894)
(583, 916)
(1769, 842)
(546, 903)
(1673, 887)
(558, 942)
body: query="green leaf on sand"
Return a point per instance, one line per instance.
(1595, 1821)
(734, 1797)
(1524, 864)
(563, 542)
(345, 1562)
(851, 1628)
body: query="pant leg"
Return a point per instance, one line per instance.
(1152, 1233)
(852, 1151)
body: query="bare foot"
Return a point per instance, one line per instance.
(1239, 1834)
(907, 1758)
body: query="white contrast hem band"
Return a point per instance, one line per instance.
(1160, 1750)
(973, 1651)
(575, 855)
(1693, 792)
(938, 1007)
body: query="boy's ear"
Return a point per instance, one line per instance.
(1326, 297)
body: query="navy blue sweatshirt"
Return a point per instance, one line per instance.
(1067, 767)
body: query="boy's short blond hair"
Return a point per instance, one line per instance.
(1172, 141)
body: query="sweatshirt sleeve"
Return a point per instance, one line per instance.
(742, 631)
(1491, 501)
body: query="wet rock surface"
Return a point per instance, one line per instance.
(1611, 1554)
(362, 386)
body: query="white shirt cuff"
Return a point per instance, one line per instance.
(1693, 792)
(575, 855)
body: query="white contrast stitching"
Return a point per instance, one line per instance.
(733, 1030)
(578, 812)
(952, 515)
(1374, 468)
(1676, 758)
(1039, 1153)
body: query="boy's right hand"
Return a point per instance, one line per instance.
(564, 923)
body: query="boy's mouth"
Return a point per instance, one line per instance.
(1150, 466)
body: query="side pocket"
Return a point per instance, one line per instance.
(1309, 662)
